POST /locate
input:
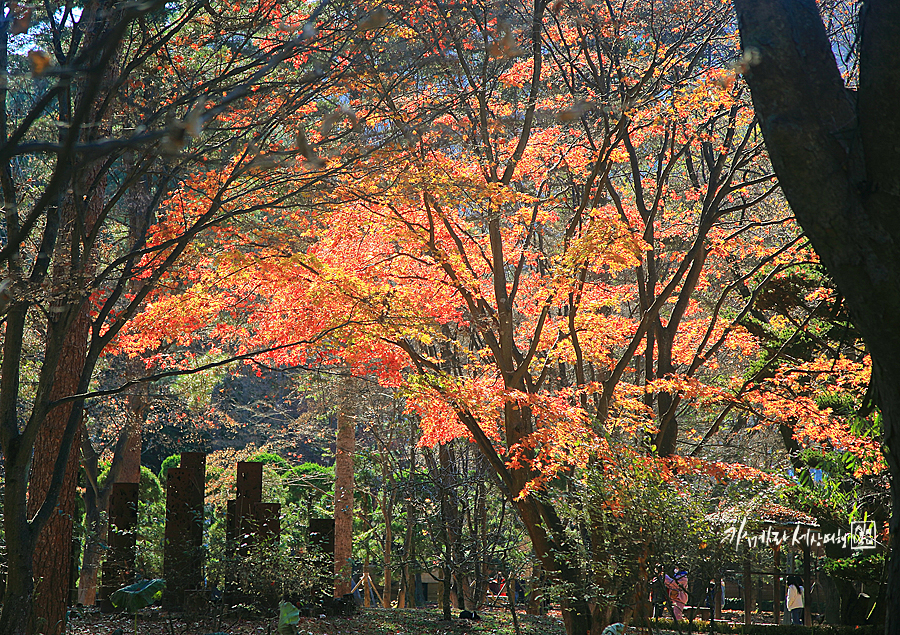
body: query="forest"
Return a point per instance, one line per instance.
(536, 303)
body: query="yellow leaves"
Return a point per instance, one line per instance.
(780, 322)
(619, 154)
(820, 294)
(605, 241)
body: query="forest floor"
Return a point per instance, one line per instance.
(365, 622)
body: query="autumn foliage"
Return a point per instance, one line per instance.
(547, 226)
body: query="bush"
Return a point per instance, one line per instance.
(170, 461)
(272, 572)
(632, 522)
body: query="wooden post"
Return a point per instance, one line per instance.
(195, 463)
(343, 502)
(267, 522)
(118, 569)
(181, 557)
(776, 584)
(249, 493)
(807, 584)
(748, 591)
(719, 596)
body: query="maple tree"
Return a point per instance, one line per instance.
(531, 259)
(545, 226)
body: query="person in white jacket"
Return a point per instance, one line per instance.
(794, 599)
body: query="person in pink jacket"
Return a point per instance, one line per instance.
(677, 587)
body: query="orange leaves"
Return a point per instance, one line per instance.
(562, 439)
(718, 471)
(793, 394)
(519, 74)
(439, 402)
(688, 387)
(496, 243)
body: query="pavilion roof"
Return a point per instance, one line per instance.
(766, 512)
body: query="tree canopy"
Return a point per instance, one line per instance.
(561, 231)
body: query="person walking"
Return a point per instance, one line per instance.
(677, 587)
(794, 599)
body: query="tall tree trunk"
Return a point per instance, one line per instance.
(409, 582)
(53, 551)
(837, 156)
(19, 591)
(667, 438)
(343, 502)
(72, 270)
(126, 461)
(387, 506)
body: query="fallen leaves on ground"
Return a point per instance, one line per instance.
(154, 621)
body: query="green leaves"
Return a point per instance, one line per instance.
(139, 595)
(288, 618)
